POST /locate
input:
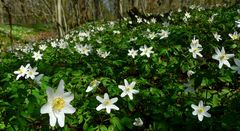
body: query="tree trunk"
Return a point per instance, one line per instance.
(1, 13)
(8, 10)
(59, 18)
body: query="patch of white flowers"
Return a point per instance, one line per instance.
(27, 72)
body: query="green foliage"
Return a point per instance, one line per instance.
(163, 102)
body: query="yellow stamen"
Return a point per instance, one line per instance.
(107, 102)
(200, 110)
(58, 104)
(128, 88)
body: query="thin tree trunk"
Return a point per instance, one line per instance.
(8, 10)
(59, 18)
(1, 13)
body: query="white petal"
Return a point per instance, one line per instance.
(89, 88)
(126, 82)
(108, 109)
(61, 119)
(230, 55)
(50, 94)
(130, 96)
(100, 107)
(121, 87)
(237, 62)
(194, 107)
(106, 97)
(226, 63)
(200, 117)
(100, 99)
(114, 100)
(206, 108)
(200, 55)
(215, 57)
(68, 109)
(194, 112)
(223, 50)
(135, 91)
(217, 51)
(123, 94)
(207, 114)
(60, 89)
(46, 108)
(220, 64)
(52, 119)
(114, 107)
(200, 104)
(68, 97)
(133, 84)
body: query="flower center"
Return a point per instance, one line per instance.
(107, 102)
(128, 88)
(58, 104)
(195, 50)
(30, 73)
(200, 110)
(223, 57)
(235, 37)
(21, 71)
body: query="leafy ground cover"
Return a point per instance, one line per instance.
(180, 72)
(23, 34)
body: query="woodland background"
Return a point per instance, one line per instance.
(67, 14)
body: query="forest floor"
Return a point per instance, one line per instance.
(22, 34)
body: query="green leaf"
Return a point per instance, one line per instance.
(225, 79)
(215, 100)
(116, 123)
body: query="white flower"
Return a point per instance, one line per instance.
(100, 28)
(152, 35)
(165, 24)
(222, 57)
(179, 10)
(128, 89)
(42, 47)
(234, 36)
(105, 54)
(92, 85)
(238, 23)
(85, 50)
(31, 73)
(201, 110)
(146, 51)
(116, 32)
(190, 73)
(217, 36)
(192, 7)
(153, 20)
(62, 44)
(139, 20)
(37, 56)
(54, 44)
(187, 15)
(132, 53)
(107, 103)
(22, 71)
(195, 50)
(195, 42)
(236, 68)
(164, 34)
(138, 122)
(58, 105)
